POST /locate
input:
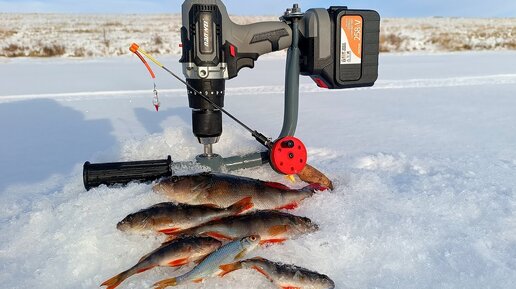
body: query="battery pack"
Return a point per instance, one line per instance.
(340, 47)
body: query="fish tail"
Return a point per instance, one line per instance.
(316, 187)
(242, 206)
(116, 280)
(165, 283)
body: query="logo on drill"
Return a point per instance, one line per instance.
(206, 27)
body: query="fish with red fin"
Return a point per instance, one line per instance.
(283, 276)
(223, 190)
(177, 253)
(272, 226)
(171, 217)
(210, 266)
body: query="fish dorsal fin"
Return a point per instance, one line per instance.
(145, 256)
(162, 205)
(277, 186)
(154, 251)
(203, 186)
(258, 258)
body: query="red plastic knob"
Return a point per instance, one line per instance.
(288, 155)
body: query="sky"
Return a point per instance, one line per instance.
(399, 8)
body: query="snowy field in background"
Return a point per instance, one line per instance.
(79, 35)
(424, 165)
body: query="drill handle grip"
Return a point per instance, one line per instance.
(260, 38)
(245, 43)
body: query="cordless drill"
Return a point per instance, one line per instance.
(214, 50)
(337, 47)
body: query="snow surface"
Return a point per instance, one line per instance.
(424, 165)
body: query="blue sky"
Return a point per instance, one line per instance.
(399, 8)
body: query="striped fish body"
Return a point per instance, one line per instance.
(223, 190)
(181, 251)
(271, 226)
(170, 217)
(283, 275)
(174, 254)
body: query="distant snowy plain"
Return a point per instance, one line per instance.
(424, 165)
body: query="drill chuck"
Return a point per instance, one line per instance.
(213, 89)
(206, 119)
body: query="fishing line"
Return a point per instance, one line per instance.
(155, 99)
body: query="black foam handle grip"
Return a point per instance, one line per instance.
(123, 173)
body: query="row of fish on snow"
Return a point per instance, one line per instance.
(213, 221)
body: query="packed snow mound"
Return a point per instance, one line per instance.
(424, 174)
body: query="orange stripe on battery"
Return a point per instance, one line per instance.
(352, 26)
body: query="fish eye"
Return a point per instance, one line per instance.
(174, 179)
(252, 238)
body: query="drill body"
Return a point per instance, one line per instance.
(214, 50)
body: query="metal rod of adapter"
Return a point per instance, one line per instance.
(208, 150)
(291, 110)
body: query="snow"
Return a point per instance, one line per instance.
(447, 34)
(424, 165)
